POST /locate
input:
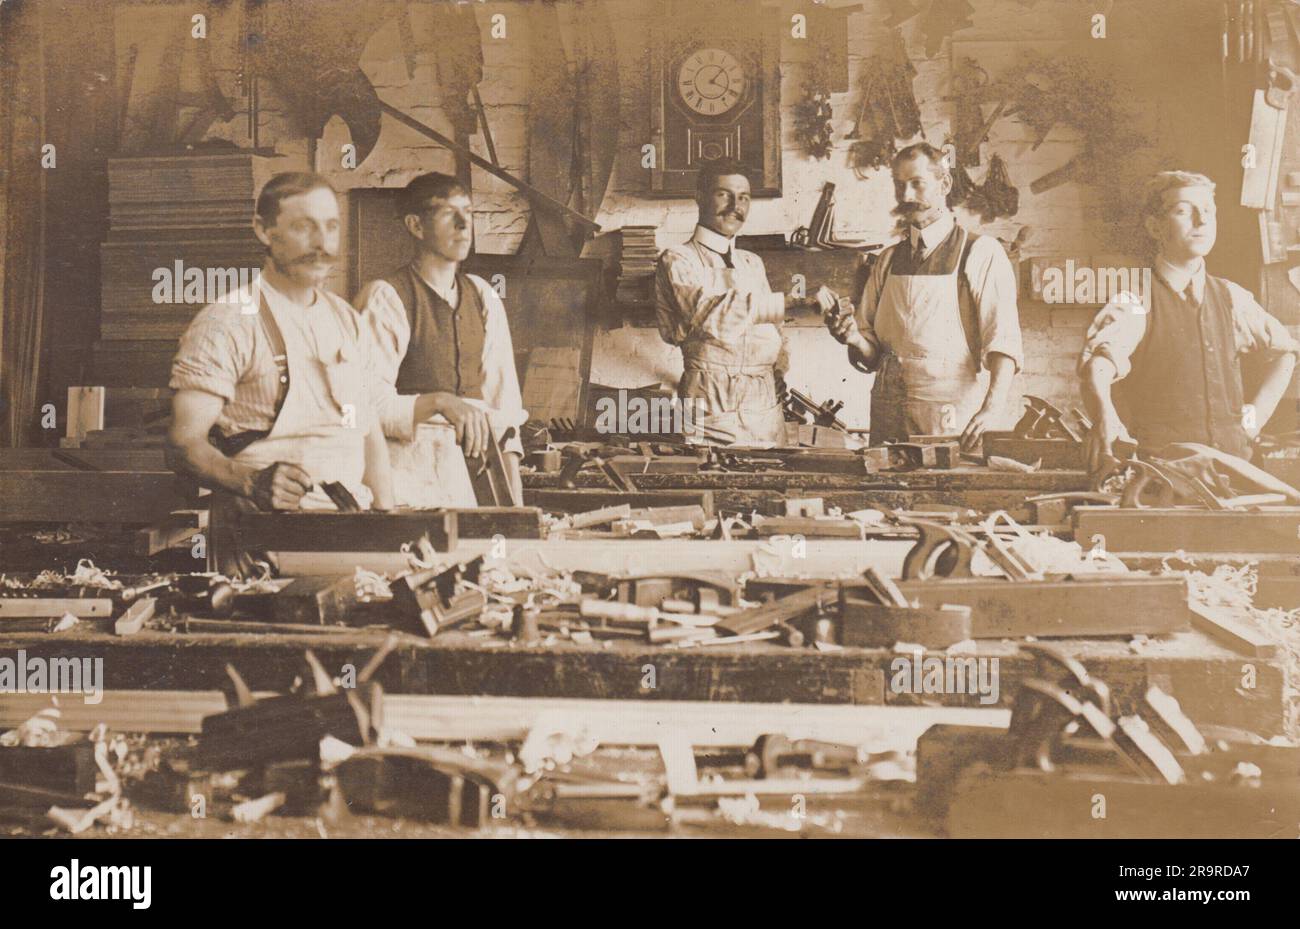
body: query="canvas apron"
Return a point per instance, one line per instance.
(728, 392)
(312, 429)
(928, 383)
(429, 471)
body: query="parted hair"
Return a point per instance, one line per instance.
(1160, 183)
(710, 171)
(283, 186)
(922, 150)
(416, 195)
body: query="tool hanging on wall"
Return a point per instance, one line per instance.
(889, 110)
(968, 126)
(997, 196)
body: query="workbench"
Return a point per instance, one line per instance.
(979, 489)
(1204, 676)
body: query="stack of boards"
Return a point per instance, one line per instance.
(637, 266)
(172, 219)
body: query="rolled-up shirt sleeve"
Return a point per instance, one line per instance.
(500, 376)
(869, 301)
(213, 354)
(689, 304)
(1115, 333)
(388, 330)
(1256, 330)
(992, 282)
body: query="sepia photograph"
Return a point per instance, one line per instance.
(650, 419)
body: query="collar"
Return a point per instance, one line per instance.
(713, 241)
(281, 298)
(934, 233)
(1178, 279)
(448, 294)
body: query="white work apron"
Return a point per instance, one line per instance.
(730, 390)
(430, 471)
(918, 318)
(321, 425)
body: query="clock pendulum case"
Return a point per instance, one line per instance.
(716, 93)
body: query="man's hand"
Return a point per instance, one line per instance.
(280, 486)
(843, 327)
(473, 431)
(826, 299)
(975, 429)
(1106, 431)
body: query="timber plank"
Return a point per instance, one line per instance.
(583, 500)
(1204, 677)
(347, 532)
(1269, 530)
(89, 496)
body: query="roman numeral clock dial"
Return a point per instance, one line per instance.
(711, 81)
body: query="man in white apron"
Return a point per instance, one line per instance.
(271, 392)
(938, 307)
(714, 301)
(444, 357)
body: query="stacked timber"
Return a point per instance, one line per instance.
(180, 235)
(637, 266)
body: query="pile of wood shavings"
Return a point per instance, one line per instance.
(1233, 588)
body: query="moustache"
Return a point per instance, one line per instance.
(316, 258)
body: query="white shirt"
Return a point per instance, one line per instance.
(390, 330)
(1119, 327)
(990, 276)
(691, 305)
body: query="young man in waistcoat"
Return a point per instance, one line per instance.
(1165, 367)
(442, 347)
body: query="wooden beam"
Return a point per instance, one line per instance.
(85, 411)
(89, 497)
(332, 531)
(511, 522)
(559, 500)
(1232, 632)
(535, 196)
(1001, 609)
(506, 719)
(833, 557)
(1055, 454)
(1268, 530)
(102, 459)
(645, 722)
(179, 528)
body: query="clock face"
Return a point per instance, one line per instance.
(711, 81)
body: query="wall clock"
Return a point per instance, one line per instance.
(716, 94)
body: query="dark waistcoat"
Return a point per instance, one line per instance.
(446, 348)
(1185, 385)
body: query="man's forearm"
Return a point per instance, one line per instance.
(214, 470)
(429, 405)
(1002, 374)
(863, 353)
(1098, 375)
(1276, 380)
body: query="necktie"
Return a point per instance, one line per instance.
(726, 259)
(1189, 295)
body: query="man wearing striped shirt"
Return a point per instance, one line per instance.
(271, 388)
